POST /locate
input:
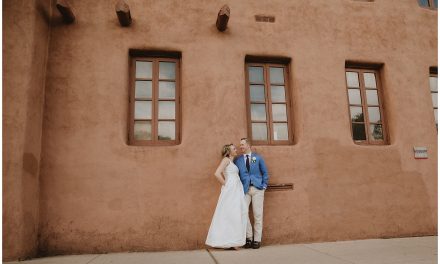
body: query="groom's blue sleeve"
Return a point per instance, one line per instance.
(263, 170)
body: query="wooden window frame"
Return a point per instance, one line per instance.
(433, 72)
(266, 64)
(430, 6)
(155, 58)
(361, 70)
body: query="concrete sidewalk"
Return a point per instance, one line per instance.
(415, 250)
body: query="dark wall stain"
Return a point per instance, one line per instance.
(30, 164)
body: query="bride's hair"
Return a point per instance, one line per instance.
(226, 150)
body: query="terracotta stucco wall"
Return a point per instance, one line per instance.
(25, 44)
(100, 195)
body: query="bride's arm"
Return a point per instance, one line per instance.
(220, 169)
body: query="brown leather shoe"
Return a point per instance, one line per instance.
(256, 245)
(248, 243)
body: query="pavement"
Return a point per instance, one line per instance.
(413, 250)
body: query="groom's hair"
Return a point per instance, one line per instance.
(245, 139)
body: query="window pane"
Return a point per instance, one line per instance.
(354, 96)
(142, 109)
(434, 99)
(433, 83)
(257, 93)
(279, 112)
(142, 130)
(259, 131)
(374, 114)
(352, 79)
(369, 80)
(167, 110)
(142, 89)
(356, 114)
(436, 3)
(167, 70)
(359, 131)
(258, 112)
(256, 75)
(376, 131)
(372, 98)
(276, 75)
(277, 93)
(280, 131)
(167, 90)
(167, 130)
(424, 2)
(144, 69)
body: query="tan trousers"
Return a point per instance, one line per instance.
(257, 198)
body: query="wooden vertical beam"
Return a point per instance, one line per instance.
(123, 13)
(66, 11)
(223, 18)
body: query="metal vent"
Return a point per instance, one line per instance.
(265, 18)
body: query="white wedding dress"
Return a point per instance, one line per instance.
(228, 226)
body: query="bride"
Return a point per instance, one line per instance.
(228, 226)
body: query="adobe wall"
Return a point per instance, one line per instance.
(25, 43)
(99, 194)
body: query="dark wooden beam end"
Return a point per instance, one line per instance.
(123, 13)
(66, 11)
(223, 18)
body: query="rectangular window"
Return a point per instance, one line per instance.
(433, 78)
(429, 3)
(268, 103)
(365, 106)
(154, 101)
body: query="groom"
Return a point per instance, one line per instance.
(253, 175)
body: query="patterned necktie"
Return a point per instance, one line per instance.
(248, 166)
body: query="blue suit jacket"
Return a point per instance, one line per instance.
(257, 175)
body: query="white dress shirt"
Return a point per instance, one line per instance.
(250, 158)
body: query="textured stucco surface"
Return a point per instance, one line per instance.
(25, 43)
(98, 194)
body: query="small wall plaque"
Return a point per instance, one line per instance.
(265, 18)
(420, 152)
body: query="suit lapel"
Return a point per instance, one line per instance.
(250, 161)
(240, 161)
(244, 163)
